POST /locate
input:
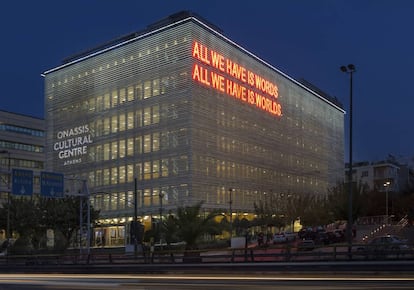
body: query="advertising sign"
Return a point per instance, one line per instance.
(22, 182)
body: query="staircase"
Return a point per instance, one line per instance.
(368, 232)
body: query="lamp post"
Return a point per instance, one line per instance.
(135, 228)
(386, 185)
(231, 212)
(161, 195)
(8, 193)
(349, 69)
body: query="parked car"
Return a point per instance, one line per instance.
(284, 237)
(385, 243)
(279, 238)
(290, 236)
(306, 245)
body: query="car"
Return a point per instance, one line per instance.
(290, 236)
(306, 245)
(385, 243)
(279, 238)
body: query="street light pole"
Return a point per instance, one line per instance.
(135, 223)
(9, 192)
(231, 212)
(349, 69)
(161, 195)
(386, 185)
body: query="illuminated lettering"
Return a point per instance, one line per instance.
(200, 74)
(235, 70)
(251, 78)
(236, 90)
(73, 152)
(265, 86)
(268, 105)
(217, 60)
(217, 81)
(236, 81)
(73, 142)
(250, 96)
(200, 52)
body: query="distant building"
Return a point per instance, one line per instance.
(382, 175)
(192, 116)
(22, 146)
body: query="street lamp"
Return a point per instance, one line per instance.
(231, 212)
(349, 69)
(8, 193)
(386, 185)
(161, 196)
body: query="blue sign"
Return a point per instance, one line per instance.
(22, 182)
(51, 184)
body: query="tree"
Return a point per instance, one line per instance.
(191, 226)
(62, 215)
(31, 217)
(338, 200)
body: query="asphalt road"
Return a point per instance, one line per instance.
(204, 282)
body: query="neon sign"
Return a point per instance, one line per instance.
(235, 80)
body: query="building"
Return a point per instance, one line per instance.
(385, 175)
(191, 116)
(22, 146)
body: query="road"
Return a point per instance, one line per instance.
(204, 282)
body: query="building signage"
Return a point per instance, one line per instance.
(22, 182)
(227, 76)
(51, 184)
(72, 144)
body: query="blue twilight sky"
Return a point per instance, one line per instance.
(307, 39)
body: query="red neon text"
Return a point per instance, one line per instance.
(227, 76)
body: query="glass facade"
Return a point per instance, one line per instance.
(176, 109)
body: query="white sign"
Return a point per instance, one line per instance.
(72, 144)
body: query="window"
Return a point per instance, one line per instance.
(147, 116)
(122, 96)
(114, 150)
(155, 169)
(121, 200)
(156, 87)
(138, 171)
(138, 145)
(155, 142)
(106, 101)
(122, 148)
(138, 118)
(107, 126)
(114, 124)
(106, 176)
(114, 175)
(122, 122)
(122, 174)
(106, 151)
(147, 143)
(147, 170)
(130, 121)
(147, 197)
(130, 93)
(130, 173)
(147, 89)
(155, 114)
(138, 91)
(164, 167)
(130, 147)
(115, 98)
